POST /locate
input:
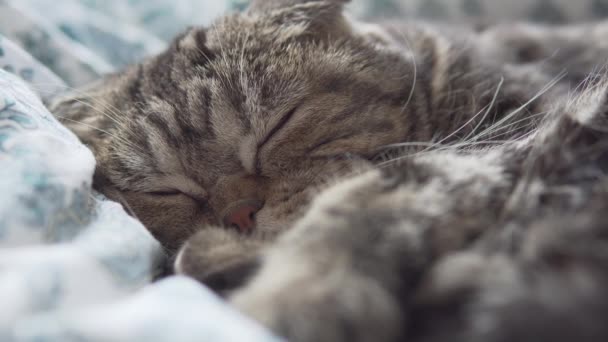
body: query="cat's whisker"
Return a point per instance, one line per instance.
(442, 148)
(117, 122)
(483, 118)
(412, 56)
(107, 107)
(535, 118)
(121, 139)
(509, 116)
(486, 108)
(413, 144)
(113, 118)
(588, 84)
(88, 126)
(532, 117)
(113, 115)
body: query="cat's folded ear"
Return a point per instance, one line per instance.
(85, 113)
(88, 113)
(321, 19)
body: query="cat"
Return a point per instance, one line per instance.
(341, 181)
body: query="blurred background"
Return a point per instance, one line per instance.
(82, 39)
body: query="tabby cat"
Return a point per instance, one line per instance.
(340, 181)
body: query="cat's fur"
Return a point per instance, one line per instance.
(487, 223)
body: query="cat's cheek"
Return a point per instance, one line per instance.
(170, 220)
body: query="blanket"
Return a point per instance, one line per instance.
(73, 265)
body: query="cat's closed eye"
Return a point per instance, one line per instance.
(280, 125)
(176, 186)
(165, 193)
(175, 194)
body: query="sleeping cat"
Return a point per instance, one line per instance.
(340, 181)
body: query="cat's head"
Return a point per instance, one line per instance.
(236, 123)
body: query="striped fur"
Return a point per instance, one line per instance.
(420, 182)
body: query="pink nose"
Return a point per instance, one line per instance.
(242, 217)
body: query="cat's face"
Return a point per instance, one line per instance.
(235, 124)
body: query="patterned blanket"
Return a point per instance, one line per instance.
(73, 265)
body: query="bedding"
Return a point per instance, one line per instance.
(73, 265)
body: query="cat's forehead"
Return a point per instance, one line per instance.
(231, 85)
(248, 70)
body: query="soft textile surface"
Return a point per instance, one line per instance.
(74, 266)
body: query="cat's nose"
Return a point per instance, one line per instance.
(242, 216)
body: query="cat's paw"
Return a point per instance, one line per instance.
(332, 277)
(221, 259)
(337, 306)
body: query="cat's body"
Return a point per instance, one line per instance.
(486, 223)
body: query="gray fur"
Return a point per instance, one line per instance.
(420, 182)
